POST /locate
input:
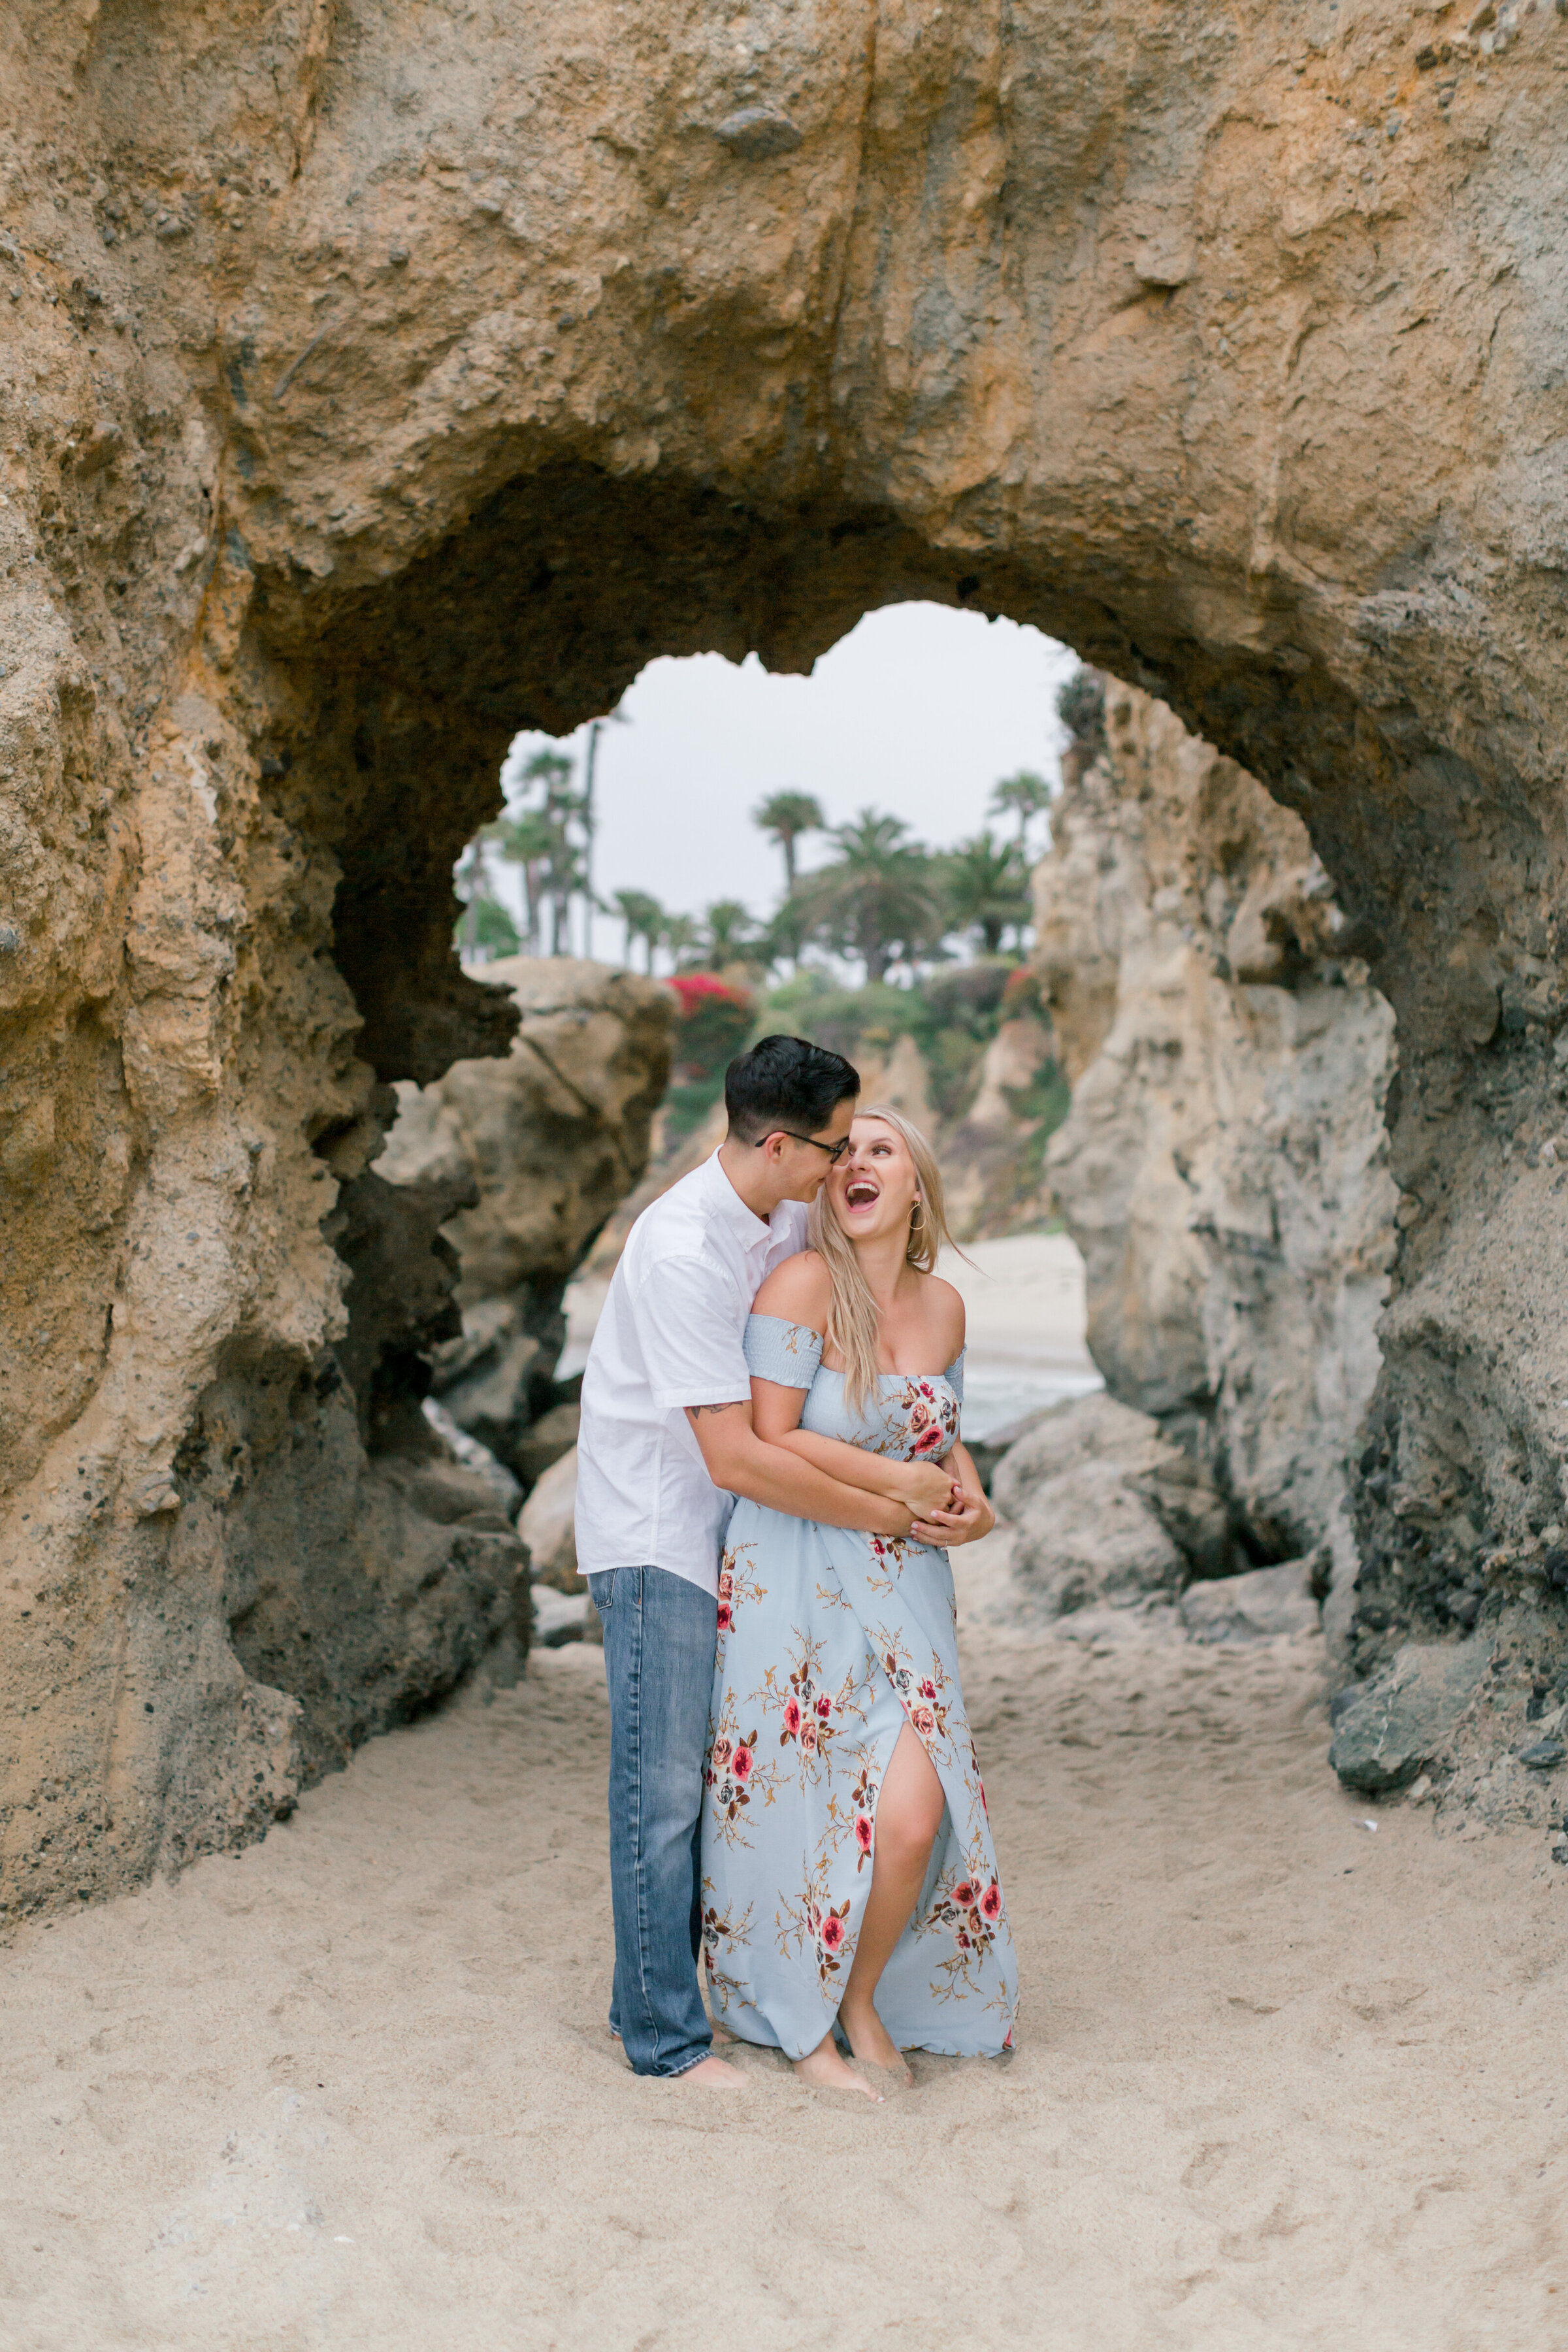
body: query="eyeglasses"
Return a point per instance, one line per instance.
(834, 1151)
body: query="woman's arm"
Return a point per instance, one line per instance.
(920, 1486)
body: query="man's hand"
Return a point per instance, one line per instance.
(923, 1485)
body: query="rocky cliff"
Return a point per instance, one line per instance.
(541, 1147)
(1224, 1166)
(381, 380)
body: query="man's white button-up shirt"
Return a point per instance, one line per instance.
(671, 1335)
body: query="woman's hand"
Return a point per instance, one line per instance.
(921, 1486)
(965, 1520)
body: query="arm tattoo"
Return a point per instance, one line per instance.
(695, 1408)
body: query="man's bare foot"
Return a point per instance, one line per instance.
(714, 2074)
(825, 2070)
(871, 2042)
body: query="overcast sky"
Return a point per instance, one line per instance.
(918, 711)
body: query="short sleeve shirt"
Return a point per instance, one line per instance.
(671, 1334)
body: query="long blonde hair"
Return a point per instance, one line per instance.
(854, 1325)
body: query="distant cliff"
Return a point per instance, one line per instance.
(1224, 1166)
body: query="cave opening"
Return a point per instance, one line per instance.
(538, 615)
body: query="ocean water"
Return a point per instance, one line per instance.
(999, 1390)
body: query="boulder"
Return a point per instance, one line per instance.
(546, 1526)
(1107, 1509)
(552, 1436)
(1253, 1607)
(1387, 1730)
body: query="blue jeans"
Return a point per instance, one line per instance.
(660, 1634)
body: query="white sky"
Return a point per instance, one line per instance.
(918, 711)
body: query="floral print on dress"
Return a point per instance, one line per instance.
(830, 1641)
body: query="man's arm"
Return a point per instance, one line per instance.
(776, 1417)
(739, 1460)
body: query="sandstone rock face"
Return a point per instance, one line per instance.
(1225, 1164)
(541, 1146)
(381, 380)
(555, 1135)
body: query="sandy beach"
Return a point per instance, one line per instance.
(1283, 2080)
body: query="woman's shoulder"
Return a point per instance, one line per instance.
(796, 1291)
(944, 1305)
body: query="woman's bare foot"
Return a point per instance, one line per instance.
(714, 2074)
(870, 2040)
(825, 2070)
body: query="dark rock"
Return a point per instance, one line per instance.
(757, 134)
(1404, 1719)
(1542, 1755)
(552, 1436)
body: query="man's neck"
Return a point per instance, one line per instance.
(748, 1175)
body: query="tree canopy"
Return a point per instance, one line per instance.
(880, 897)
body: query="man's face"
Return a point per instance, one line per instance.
(804, 1162)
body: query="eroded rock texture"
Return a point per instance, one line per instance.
(542, 1146)
(1224, 1166)
(379, 379)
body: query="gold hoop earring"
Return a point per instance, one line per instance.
(919, 1206)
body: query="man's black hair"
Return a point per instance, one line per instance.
(785, 1082)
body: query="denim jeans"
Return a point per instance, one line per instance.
(660, 1632)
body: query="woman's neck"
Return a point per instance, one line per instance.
(885, 1266)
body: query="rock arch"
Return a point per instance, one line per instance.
(383, 379)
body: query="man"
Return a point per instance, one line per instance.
(666, 1441)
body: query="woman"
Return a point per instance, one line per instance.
(848, 1875)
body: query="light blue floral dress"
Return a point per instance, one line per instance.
(829, 1642)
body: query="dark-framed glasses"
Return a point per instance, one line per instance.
(834, 1151)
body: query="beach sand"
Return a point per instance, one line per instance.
(1282, 2080)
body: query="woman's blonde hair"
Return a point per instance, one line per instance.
(853, 1324)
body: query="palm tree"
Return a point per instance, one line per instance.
(562, 872)
(785, 933)
(527, 842)
(729, 933)
(473, 884)
(878, 898)
(986, 889)
(783, 818)
(679, 934)
(1024, 794)
(644, 919)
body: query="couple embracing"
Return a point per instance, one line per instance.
(769, 1479)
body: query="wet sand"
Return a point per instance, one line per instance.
(1282, 2081)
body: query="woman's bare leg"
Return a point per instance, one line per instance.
(908, 1815)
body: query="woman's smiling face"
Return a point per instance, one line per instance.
(874, 1185)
